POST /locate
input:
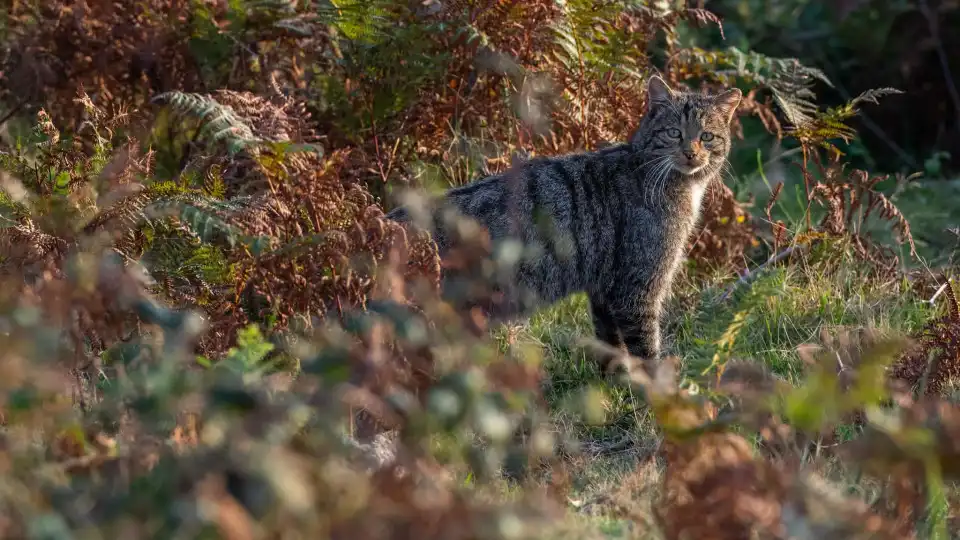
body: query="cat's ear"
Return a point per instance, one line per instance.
(728, 102)
(658, 92)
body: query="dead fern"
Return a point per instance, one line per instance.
(934, 365)
(725, 232)
(121, 52)
(778, 226)
(850, 198)
(255, 223)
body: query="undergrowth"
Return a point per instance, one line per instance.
(210, 329)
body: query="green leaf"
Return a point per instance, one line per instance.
(61, 183)
(250, 351)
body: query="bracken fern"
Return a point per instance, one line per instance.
(217, 123)
(787, 79)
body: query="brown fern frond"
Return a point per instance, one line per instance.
(890, 212)
(774, 196)
(704, 17)
(24, 244)
(121, 51)
(953, 306)
(935, 362)
(124, 214)
(850, 199)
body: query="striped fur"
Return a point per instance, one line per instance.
(612, 223)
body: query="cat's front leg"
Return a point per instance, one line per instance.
(606, 330)
(605, 324)
(640, 330)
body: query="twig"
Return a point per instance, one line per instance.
(939, 291)
(749, 275)
(806, 183)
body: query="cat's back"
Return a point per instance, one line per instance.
(578, 193)
(551, 183)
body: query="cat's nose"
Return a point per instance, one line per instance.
(688, 154)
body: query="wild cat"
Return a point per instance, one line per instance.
(612, 223)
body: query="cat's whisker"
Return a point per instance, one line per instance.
(660, 184)
(649, 194)
(663, 186)
(726, 170)
(657, 163)
(649, 161)
(652, 178)
(653, 161)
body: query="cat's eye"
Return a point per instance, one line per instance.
(673, 133)
(706, 136)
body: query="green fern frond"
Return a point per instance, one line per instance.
(358, 20)
(824, 126)
(790, 83)
(209, 221)
(9, 205)
(787, 79)
(202, 218)
(296, 25)
(218, 123)
(276, 8)
(587, 38)
(181, 263)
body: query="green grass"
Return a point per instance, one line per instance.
(787, 306)
(612, 496)
(782, 308)
(826, 288)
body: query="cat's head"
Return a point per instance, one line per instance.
(690, 131)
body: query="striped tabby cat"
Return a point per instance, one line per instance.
(612, 223)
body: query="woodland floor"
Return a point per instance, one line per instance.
(615, 470)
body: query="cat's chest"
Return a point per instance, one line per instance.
(686, 210)
(696, 199)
